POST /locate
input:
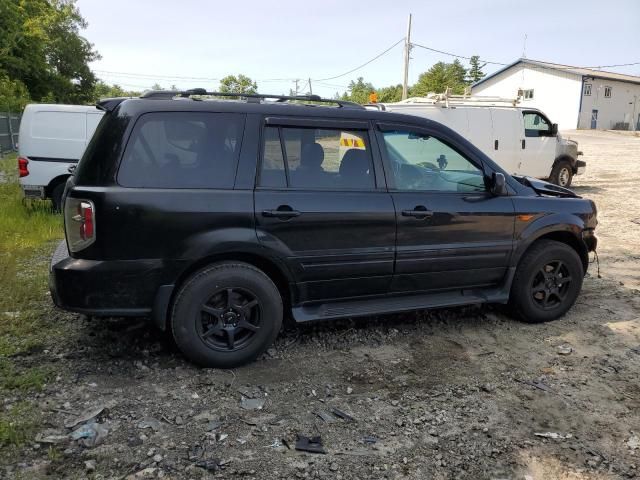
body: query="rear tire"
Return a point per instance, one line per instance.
(226, 315)
(562, 174)
(547, 282)
(56, 196)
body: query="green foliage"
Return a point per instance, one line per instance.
(103, 90)
(475, 72)
(440, 77)
(41, 47)
(13, 94)
(238, 84)
(390, 94)
(358, 91)
(26, 229)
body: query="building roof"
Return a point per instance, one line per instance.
(585, 72)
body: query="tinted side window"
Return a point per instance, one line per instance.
(318, 159)
(422, 162)
(183, 150)
(535, 125)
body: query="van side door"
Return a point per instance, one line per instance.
(539, 145)
(507, 134)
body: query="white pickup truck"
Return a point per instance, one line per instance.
(521, 140)
(52, 139)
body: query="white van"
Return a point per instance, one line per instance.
(52, 139)
(521, 140)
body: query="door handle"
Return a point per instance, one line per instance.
(495, 145)
(282, 212)
(419, 211)
(523, 144)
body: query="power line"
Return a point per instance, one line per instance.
(559, 67)
(455, 55)
(360, 66)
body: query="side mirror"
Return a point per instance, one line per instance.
(554, 129)
(498, 185)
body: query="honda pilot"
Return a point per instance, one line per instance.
(216, 216)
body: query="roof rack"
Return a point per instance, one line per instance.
(250, 97)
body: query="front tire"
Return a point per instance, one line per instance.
(562, 174)
(547, 282)
(226, 315)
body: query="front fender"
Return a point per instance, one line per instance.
(558, 225)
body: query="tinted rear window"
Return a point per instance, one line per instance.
(183, 150)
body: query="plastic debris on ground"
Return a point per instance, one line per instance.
(311, 445)
(252, 403)
(554, 435)
(90, 434)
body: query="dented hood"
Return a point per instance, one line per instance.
(545, 188)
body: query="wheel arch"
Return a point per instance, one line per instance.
(55, 181)
(273, 268)
(565, 158)
(565, 235)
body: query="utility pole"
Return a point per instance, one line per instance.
(310, 88)
(296, 94)
(407, 50)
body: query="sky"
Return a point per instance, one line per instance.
(194, 43)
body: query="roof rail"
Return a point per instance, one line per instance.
(250, 97)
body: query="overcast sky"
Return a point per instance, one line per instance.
(144, 41)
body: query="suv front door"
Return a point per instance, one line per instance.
(322, 206)
(451, 231)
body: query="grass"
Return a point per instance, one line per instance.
(28, 231)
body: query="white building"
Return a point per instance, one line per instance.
(572, 97)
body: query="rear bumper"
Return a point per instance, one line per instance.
(33, 191)
(106, 288)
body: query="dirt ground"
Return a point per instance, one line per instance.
(457, 393)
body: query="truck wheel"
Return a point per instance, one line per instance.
(226, 315)
(547, 282)
(562, 174)
(56, 196)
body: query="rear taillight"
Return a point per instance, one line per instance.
(79, 223)
(23, 168)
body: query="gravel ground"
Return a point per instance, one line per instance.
(456, 393)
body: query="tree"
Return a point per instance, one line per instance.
(41, 47)
(390, 94)
(439, 77)
(103, 90)
(13, 95)
(358, 91)
(475, 71)
(239, 84)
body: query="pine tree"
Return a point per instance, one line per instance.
(475, 72)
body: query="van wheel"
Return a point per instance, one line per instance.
(547, 282)
(226, 315)
(562, 174)
(56, 196)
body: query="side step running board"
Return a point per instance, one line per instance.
(394, 304)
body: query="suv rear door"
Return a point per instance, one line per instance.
(321, 204)
(452, 233)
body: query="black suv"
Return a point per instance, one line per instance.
(215, 217)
